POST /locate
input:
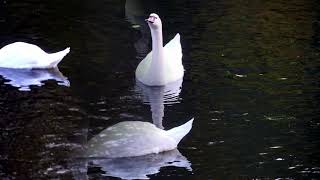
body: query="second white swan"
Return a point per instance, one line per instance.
(21, 55)
(135, 138)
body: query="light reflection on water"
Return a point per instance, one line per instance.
(24, 78)
(158, 97)
(128, 168)
(140, 167)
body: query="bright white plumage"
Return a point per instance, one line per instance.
(20, 55)
(135, 138)
(163, 64)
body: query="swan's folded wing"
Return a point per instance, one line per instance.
(173, 50)
(143, 66)
(173, 57)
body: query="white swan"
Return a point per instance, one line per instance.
(22, 55)
(135, 138)
(163, 64)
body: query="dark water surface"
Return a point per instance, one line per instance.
(251, 83)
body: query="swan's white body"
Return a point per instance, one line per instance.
(20, 55)
(163, 64)
(135, 138)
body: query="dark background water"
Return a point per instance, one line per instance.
(251, 83)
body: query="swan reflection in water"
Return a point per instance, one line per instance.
(24, 78)
(130, 167)
(159, 96)
(141, 166)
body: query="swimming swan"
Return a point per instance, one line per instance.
(22, 55)
(135, 138)
(163, 64)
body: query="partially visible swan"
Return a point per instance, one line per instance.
(135, 138)
(163, 64)
(24, 78)
(21, 55)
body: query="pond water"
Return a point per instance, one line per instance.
(251, 83)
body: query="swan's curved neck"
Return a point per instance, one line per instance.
(157, 44)
(157, 67)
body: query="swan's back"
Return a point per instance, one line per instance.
(135, 138)
(130, 138)
(20, 55)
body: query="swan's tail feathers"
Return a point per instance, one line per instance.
(179, 132)
(173, 50)
(174, 44)
(55, 58)
(177, 37)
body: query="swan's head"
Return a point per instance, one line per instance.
(154, 21)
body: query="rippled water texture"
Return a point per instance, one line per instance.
(251, 83)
